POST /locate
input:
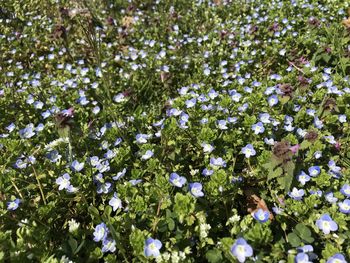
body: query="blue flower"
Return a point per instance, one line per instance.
(101, 232)
(119, 175)
(235, 96)
(258, 128)
(318, 123)
(345, 190)
(296, 194)
(264, 117)
(196, 189)
(302, 258)
(241, 250)
(11, 127)
(331, 198)
(108, 245)
(217, 162)
(316, 192)
(303, 178)
(314, 171)
(326, 224)
(342, 118)
(13, 205)
(109, 154)
(141, 138)
(207, 148)
(212, 94)
(207, 172)
(104, 188)
(147, 155)
(277, 210)
(27, 132)
(53, 156)
(115, 202)
(344, 206)
(336, 258)
(306, 248)
(248, 150)
(261, 215)
(177, 180)
(94, 161)
(190, 103)
(103, 166)
(333, 167)
(20, 164)
(222, 124)
(272, 100)
(135, 181)
(76, 166)
(63, 181)
(152, 247)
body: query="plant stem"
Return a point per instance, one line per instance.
(17, 190)
(39, 185)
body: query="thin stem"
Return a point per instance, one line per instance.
(17, 190)
(39, 185)
(297, 68)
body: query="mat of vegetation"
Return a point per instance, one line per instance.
(174, 131)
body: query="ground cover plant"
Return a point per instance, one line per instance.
(174, 131)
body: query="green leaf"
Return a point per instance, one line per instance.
(94, 212)
(107, 212)
(285, 182)
(171, 224)
(305, 144)
(293, 239)
(97, 253)
(289, 168)
(73, 244)
(304, 233)
(214, 256)
(276, 173)
(284, 99)
(80, 246)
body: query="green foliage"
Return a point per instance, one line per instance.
(120, 95)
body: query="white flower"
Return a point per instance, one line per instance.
(73, 225)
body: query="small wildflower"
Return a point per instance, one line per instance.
(108, 245)
(314, 171)
(302, 258)
(248, 151)
(258, 128)
(217, 162)
(303, 178)
(148, 154)
(76, 166)
(326, 224)
(63, 181)
(152, 247)
(177, 180)
(296, 194)
(272, 100)
(13, 205)
(261, 215)
(241, 250)
(344, 206)
(115, 202)
(101, 232)
(345, 190)
(337, 258)
(196, 189)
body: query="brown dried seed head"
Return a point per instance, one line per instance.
(281, 149)
(286, 89)
(311, 136)
(330, 104)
